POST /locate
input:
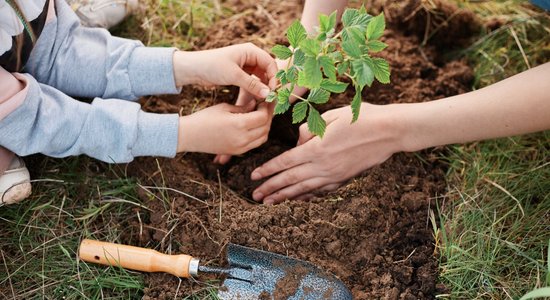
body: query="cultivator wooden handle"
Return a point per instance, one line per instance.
(136, 258)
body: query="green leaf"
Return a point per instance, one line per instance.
(352, 48)
(271, 97)
(318, 96)
(343, 67)
(281, 107)
(376, 27)
(283, 95)
(315, 123)
(281, 52)
(333, 86)
(327, 23)
(311, 76)
(380, 68)
(311, 47)
(348, 16)
(357, 34)
(362, 72)
(328, 67)
(299, 57)
(299, 112)
(296, 33)
(376, 46)
(291, 74)
(281, 75)
(356, 104)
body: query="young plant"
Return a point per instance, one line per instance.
(316, 62)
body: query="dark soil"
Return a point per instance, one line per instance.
(373, 233)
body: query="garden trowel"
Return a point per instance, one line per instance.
(252, 274)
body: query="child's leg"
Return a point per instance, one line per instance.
(15, 179)
(102, 13)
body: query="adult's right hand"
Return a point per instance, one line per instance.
(324, 164)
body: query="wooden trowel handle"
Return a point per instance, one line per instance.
(136, 258)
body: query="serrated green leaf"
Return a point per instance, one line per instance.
(327, 23)
(355, 33)
(333, 86)
(318, 96)
(376, 27)
(281, 52)
(296, 33)
(291, 74)
(271, 97)
(323, 23)
(311, 47)
(281, 75)
(299, 58)
(376, 46)
(362, 72)
(299, 112)
(348, 16)
(315, 123)
(281, 108)
(328, 67)
(343, 67)
(356, 104)
(283, 95)
(332, 22)
(380, 68)
(311, 76)
(352, 48)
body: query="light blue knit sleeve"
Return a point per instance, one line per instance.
(115, 131)
(89, 62)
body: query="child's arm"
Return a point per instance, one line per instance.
(36, 118)
(89, 62)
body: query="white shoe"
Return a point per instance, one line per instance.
(15, 183)
(102, 13)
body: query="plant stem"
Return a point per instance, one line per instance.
(298, 97)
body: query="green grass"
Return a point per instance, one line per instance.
(80, 197)
(494, 229)
(39, 238)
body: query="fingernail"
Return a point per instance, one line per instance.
(257, 196)
(269, 201)
(264, 93)
(255, 175)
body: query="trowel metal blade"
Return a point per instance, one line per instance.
(257, 274)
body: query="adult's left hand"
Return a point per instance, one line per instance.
(317, 164)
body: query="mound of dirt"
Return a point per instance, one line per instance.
(373, 233)
(435, 22)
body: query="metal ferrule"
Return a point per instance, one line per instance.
(194, 267)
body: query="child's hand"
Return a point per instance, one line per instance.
(224, 129)
(233, 65)
(247, 101)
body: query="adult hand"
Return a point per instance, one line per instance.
(233, 65)
(224, 129)
(324, 164)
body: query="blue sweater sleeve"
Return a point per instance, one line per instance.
(89, 62)
(52, 123)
